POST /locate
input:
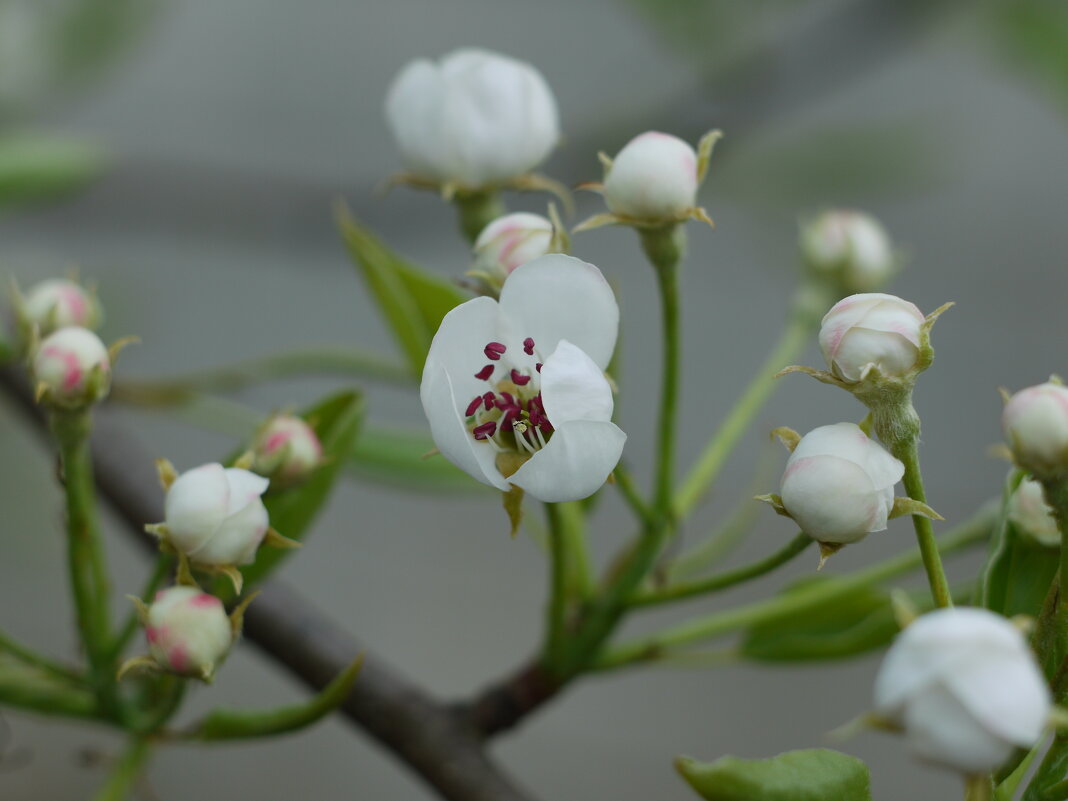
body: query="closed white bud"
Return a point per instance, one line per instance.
(287, 449)
(512, 240)
(851, 247)
(872, 332)
(1033, 518)
(55, 304)
(71, 368)
(654, 177)
(214, 515)
(1035, 423)
(188, 631)
(472, 120)
(964, 685)
(839, 485)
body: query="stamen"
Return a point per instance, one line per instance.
(538, 367)
(519, 379)
(485, 431)
(528, 346)
(485, 373)
(488, 399)
(473, 406)
(494, 350)
(520, 428)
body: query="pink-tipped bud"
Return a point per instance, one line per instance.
(71, 368)
(188, 631)
(286, 449)
(872, 332)
(512, 240)
(850, 247)
(51, 305)
(1032, 516)
(1035, 423)
(654, 177)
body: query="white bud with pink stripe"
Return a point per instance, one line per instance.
(287, 449)
(654, 177)
(188, 631)
(872, 333)
(71, 368)
(1035, 423)
(839, 485)
(512, 240)
(55, 304)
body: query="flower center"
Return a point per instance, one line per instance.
(510, 416)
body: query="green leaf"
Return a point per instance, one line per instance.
(1034, 33)
(336, 422)
(35, 167)
(232, 724)
(852, 623)
(816, 774)
(412, 301)
(1049, 782)
(406, 459)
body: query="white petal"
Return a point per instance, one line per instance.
(895, 315)
(939, 729)
(196, 505)
(237, 538)
(573, 387)
(449, 430)
(558, 297)
(1006, 692)
(861, 348)
(245, 487)
(832, 499)
(413, 109)
(575, 463)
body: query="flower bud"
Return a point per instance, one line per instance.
(71, 368)
(869, 332)
(1032, 516)
(964, 685)
(512, 240)
(286, 449)
(850, 247)
(654, 177)
(214, 515)
(188, 631)
(1035, 423)
(475, 119)
(55, 304)
(839, 485)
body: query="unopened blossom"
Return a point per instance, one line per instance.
(474, 119)
(515, 390)
(872, 331)
(965, 687)
(214, 515)
(512, 240)
(71, 368)
(287, 449)
(849, 246)
(57, 303)
(1035, 424)
(188, 631)
(654, 177)
(1028, 510)
(839, 485)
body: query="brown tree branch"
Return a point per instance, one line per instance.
(439, 742)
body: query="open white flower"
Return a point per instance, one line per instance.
(965, 686)
(474, 119)
(515, 390)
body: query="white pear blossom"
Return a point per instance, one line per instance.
(850, 245)
(1035, 423)
(188, 631)
(214, 515)
(287, 449)
(512, 240)
(1027, 508)
(871, 331)
(654, 177)
(474, 119)
(964, 685)
(57, 303)
(515, 390)
(839, 485)
(71, 367)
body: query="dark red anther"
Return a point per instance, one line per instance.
(484, 373)
(489, 400)
(538, 367)
(494, 350)
(506, 401)
(473, 406)
(528, 346)
(519, 379)
(508, 416)
(485, 431)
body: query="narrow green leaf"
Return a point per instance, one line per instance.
(816, 774)
(232, 724)
(35, 167)
(413, 302)
(33, 690)
(406, 459)
(1049, 782)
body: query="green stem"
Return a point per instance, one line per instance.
(127, 770)
(629, 490)
(718, 624)
(580, 581)
(556, 612)
(38, 694)
(169, 691)
(88, 575)
(978, 788)
(159, 574)
(730, 578)
(803, 320)
(477, 210)
(33, 659)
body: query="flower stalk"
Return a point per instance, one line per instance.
(476, 210)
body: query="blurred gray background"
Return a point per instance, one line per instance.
(233, 126)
